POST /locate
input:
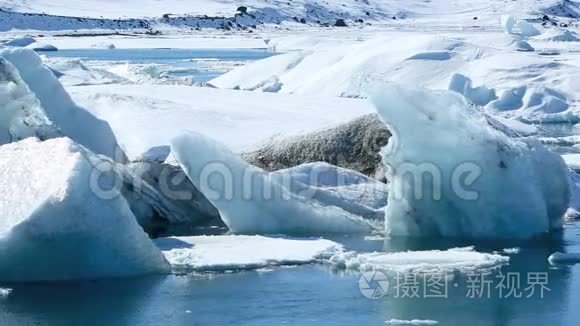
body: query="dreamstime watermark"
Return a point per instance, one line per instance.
(228, 181)
(476, 285)
(219, 181)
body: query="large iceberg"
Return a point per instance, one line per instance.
(73, 121)
(251, 200)
(57, 222)
(454, 173)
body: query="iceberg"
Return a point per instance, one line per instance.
(21, 114)
(57, 224)
(240, 252)
(73, 121)
(253, 201)
(462, 176)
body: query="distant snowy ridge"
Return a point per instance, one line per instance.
(148, 15)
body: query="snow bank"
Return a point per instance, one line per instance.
(72, 120)
(146, 116)
(251, 200)
(414, 322)
(463, 260)
(221, 253)
(21, 114)
(558, 35)
(564, 258)
(54, 225)
(20, 41)
(461, 177)
(532, 88)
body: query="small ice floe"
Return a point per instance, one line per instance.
(511, 251)
(564, 258)
(4, 292)
(430, 261)
(411, 322)
(223, 253)
(375, 237)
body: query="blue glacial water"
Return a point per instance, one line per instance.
(201, 64)
(307, 295)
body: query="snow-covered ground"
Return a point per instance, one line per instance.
(143, 116)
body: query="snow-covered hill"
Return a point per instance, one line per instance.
(148, 14)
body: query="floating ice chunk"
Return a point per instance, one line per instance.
(251, 200)
(462, 260)
(4, 292)
(220, 253)
(564, 258)
(21, 114)
(72, 120)
(56, 225)
(460, 176)
(511, 251)
(414, 322)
